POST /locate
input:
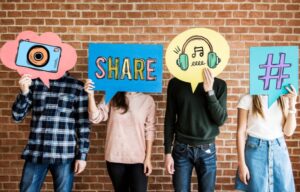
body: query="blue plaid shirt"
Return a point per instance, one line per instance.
(59, 126)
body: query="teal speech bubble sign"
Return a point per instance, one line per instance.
(125, 67)
(272, 69)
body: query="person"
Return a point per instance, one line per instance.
(263, 159)
(59, 131)
(194, 119)
(130, 134)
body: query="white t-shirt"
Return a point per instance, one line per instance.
(269, 127)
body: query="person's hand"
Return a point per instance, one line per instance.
(292, 96)
(244, 173)
(79, 166)
(169, 164)
(208, 80)
(89, 86)
(147, 167)
(24, 83)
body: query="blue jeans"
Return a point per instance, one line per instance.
(203, 158)
(34, 175)
(269, 166)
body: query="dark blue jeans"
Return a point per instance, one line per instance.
(34, 175)
(203, 158)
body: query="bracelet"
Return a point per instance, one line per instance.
(292, 111)
(211, 92)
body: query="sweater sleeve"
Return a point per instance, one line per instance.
(170, 118)
(217, 105)
(101, 114)
(150, 122)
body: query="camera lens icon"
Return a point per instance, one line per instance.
(38, 56)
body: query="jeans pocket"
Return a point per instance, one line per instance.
(282, 144)
(208, 153)
(252, 145)
(180, 148)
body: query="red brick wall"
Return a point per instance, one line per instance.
(78, 22)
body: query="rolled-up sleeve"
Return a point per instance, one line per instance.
(100, 115)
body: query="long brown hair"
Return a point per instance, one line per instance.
(119, 101)
(258, 110)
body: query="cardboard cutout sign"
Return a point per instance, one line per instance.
(272, 69)
(44, 57)
(195, 49)
(125, 67)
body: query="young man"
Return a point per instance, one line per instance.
(194, 120)
(59, 131)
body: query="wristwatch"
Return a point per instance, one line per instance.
(210, 92)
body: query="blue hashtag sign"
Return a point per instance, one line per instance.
(279, 76)
(272, 69)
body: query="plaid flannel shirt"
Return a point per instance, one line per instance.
(59, 126)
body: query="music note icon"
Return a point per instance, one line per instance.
(198, 49)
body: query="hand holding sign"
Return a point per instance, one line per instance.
(208, 80)
(292, 96)
(89, 86)
(25, 83)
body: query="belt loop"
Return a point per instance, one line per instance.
(259, 142)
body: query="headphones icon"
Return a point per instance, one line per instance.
(212, 59)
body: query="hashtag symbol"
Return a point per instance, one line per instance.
(279, 76)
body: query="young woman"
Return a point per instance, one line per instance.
(263, 160)
(130, 134)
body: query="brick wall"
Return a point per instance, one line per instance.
(78, 22)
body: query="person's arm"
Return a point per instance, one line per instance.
(96, 114)
(150, 129)
(291, 123)
(216, 103)
(170, 123)
(241, 141)
(83, 131)
(23, 102)
(147, 162)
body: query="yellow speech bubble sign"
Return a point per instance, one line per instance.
(195, 49)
